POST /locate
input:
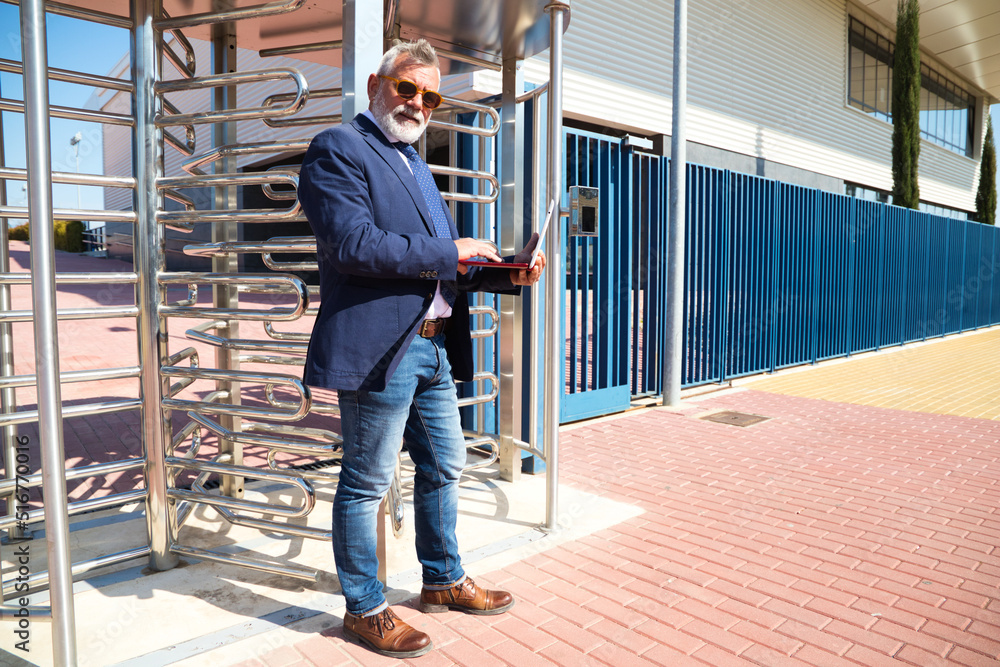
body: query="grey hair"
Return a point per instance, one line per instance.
(420, 52)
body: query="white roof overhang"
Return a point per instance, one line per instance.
(962, 34)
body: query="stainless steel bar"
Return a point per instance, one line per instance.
(268, 526)
(479, 376)
(288, 570)
(40, 581)
(555, 352)
(231, 79)
(322, 93)
(69, 76)
(11, 381)
(468, 173)
(8, 487)
(186, 67)
(147, 161)
(217, 153)
(534, 93)
(293, 285)
(273, 476)
(85, 14)
(286, 176)
(221, 375)
(301, 48)
(457, 103)
(73, 178)
(71, 278)
(528, 447)
(284, 335)
(102, 408)
(256, 345)
(318, 475)
(280, 442)
(72, 113)
(275, 443)
(494, 321)
(510, 236)
(208, 18)
(361, 50)
(673, 346)
(43, 614)
(38, 147)
(71, 214)
(103, 312)
(224, 180)
(249, 216)
(8, 397)
(82, 506)
(486, 230)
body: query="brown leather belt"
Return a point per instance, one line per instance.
(431, 328)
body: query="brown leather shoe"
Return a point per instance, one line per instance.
(387, 634)
(466, 597)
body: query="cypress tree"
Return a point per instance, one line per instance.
(986, 196)
(906, 105)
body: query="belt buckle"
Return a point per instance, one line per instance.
(429, 328)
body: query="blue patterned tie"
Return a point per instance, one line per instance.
(432, 196)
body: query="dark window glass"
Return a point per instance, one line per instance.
(947, 111)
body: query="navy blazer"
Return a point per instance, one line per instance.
(379, 261)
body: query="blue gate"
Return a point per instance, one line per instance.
(598, 285)
(776, 275)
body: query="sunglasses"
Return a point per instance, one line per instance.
(408, 90)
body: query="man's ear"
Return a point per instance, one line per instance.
(373, 82)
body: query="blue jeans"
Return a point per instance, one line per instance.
(420, 405)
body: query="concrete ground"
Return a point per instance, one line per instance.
(857, 524)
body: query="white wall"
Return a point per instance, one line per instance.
(767, 78)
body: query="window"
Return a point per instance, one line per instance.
(945, 211)
(947, 111)
(870, 87)
(883, 197)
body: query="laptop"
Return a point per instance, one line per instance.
(508, 263)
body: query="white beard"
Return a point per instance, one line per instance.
(407, 133)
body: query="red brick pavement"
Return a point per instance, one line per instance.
(831, 534)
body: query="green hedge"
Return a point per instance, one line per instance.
(19, 233)
(68, 235)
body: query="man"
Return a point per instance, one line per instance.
(391, 334)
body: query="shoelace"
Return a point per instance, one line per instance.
(386, 621)
(467, 589)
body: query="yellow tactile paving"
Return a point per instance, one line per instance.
(958, 375)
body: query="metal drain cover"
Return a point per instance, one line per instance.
(735, 418)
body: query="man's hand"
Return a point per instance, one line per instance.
(469, 248)
(528, 277)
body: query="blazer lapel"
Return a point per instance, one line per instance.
(380, 144)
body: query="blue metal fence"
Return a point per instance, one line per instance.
(813, 275)
(776, 275)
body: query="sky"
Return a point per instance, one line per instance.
(104, 48)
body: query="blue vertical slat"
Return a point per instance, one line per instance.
(953, 286)
(867, 230)
(750, 242)
(993, 270)
(894, 268)
(937, 282)
(914, 312)
(791, 301)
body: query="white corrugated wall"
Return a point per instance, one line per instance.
(767, 78)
